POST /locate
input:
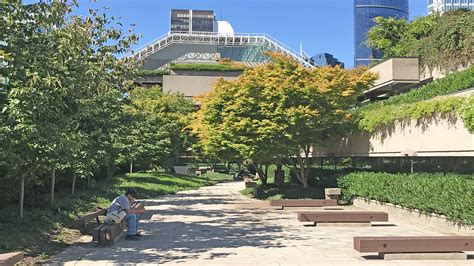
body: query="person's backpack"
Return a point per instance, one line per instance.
(115, 217)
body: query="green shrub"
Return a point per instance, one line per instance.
(155, 72)
(451, 195)
(285, 191)
(207, 67)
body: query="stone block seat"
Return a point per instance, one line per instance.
(416, 247)
(302, 203)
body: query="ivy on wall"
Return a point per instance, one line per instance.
(421, 103)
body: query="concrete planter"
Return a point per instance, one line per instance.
(438, 223)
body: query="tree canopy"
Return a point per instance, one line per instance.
(278, 111)
(439, 41)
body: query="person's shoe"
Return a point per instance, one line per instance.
(132, 237)
(138, 234)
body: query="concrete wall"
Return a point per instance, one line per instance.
(190, 85)
(440, 136)
(397, 69)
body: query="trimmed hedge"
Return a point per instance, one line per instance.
(451, 195)
(156, 72)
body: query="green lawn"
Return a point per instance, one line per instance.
(44, 229)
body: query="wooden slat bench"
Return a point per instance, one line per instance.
(9, 259)
(108, 234)
(342, 217)
(404, 245)
(302, 203)
(82, 222)
(103, 234)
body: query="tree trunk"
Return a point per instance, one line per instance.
(53, 183)
(261, 174)
(109, 171)
(22, 194)
(88, 181)
(302, 175)
(131, 166)
(73, 183)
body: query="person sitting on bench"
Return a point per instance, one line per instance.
(126, 203)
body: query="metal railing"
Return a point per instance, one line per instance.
(213, 38)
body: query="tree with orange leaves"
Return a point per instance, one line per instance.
(278, 111)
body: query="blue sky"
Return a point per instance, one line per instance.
(320, 25)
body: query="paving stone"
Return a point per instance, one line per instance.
(216, 225)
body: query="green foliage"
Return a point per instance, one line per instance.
(371, 119)
(444, 42)
(208, 67)
(45, 231)
(414, 104)
(61, 105)
(154, 131)
(451, 195)
(277, 110)
(156, 72)
(286, 191)
(468, 114)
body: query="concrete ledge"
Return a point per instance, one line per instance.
(424, 256)
(436, 223)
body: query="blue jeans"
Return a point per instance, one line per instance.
(132, 224)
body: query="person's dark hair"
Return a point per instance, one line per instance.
(131, 192)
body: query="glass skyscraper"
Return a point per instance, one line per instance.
(364, 13)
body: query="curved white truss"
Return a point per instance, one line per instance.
(212, 38)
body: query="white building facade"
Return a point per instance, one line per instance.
(441, 6)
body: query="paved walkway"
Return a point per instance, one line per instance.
(218, 226)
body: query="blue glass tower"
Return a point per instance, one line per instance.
(364, 13)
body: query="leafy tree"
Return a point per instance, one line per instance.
(63, 87)
(156, 129)
(439, 41)
(277, 111)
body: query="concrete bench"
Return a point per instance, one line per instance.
(302, 203)
(416, 247)
(10, 259)
(345, 218)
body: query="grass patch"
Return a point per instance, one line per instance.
(44, 229)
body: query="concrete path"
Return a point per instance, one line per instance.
(218, 226)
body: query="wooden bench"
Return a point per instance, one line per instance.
(342, 217)
(404, 246)
(302, 203)
(108, 234)
(10, 259)
(82, 222)
(102, 233)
